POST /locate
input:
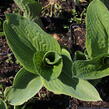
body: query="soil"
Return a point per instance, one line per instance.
(73, 38)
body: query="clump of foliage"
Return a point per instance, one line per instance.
(45, 63)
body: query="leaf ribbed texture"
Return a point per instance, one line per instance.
(25, 38)
(66, 84)
(92, 69)
(97, 38)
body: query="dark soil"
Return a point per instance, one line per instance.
(8, 66)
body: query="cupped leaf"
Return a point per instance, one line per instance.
(26, 38)
(51, 58)
(65, 84)
(92, 69)
(97, 38)
(3, 104)
(25, 86)
(49, 64)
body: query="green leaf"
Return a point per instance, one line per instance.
(48, 65)
(26, 6)
(67, 63)
(26, 38)
(31, 9)
(97, 37)
(79, 56)
(25, 86)
(74, 87)
(3, 104)
(65, 84)
(92, 69)
(66, 53)
(20, 46)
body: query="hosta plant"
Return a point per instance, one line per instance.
(97, 44)
(45, 63)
